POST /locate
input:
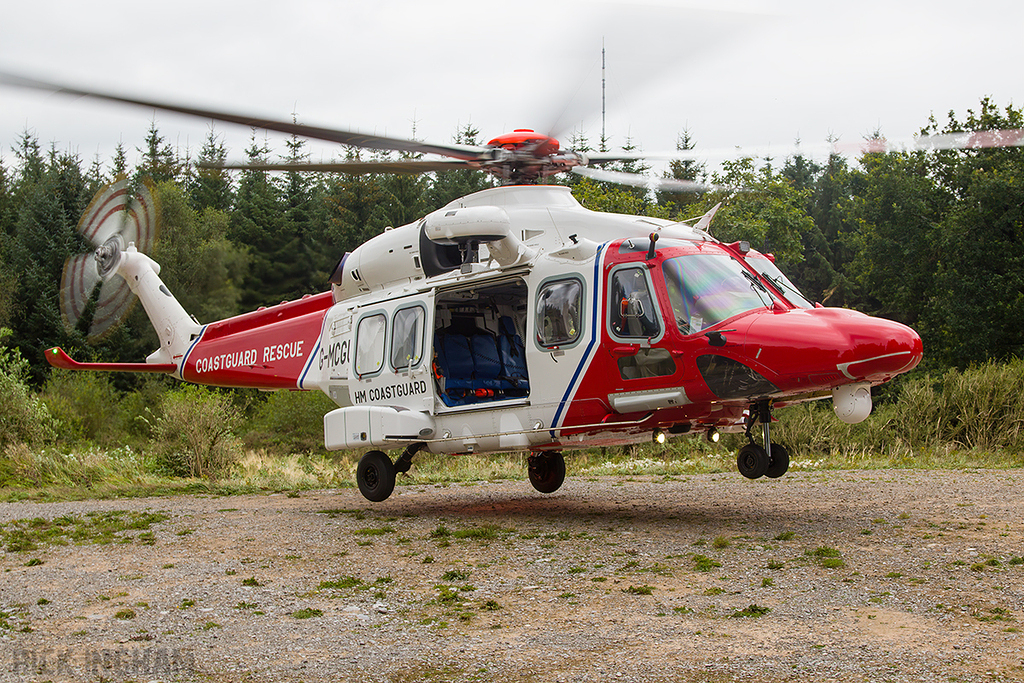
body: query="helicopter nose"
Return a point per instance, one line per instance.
(879, 349)
(832, 346)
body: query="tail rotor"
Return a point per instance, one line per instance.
(119, 215)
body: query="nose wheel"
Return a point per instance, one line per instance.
(765, 459)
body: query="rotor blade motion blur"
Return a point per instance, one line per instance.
(352, 167)
(331, 135)
(659, 184)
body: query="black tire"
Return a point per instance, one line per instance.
(779, 462)
(752, 461)
(547, 471)
(375, 476)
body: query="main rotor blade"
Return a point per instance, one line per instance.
(658, 184)
(353, 167)
(971, 139)
(364, 140)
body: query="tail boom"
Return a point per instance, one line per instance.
(273, 348)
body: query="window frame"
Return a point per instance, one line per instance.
(418, 342)
(652, 294)
(544, 286)
(357, 346)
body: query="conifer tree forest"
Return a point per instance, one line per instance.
(931, 239)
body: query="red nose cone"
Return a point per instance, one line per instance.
(880, 349)
(831, 346)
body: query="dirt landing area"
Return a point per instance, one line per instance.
(829, 576)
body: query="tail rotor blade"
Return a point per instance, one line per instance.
(91, 293)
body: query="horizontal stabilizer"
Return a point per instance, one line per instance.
(59, 359)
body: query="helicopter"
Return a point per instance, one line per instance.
(511, 319)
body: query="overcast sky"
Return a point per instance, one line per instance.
(735, 72)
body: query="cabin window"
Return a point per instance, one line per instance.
(369, 356)
(633, 311)
(558, 312)
(407, 338)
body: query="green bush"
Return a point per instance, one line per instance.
(23, 417)
(979, 410)
(289, 421)
(195, 435)
(85, 404)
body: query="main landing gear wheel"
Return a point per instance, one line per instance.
(779, 462)
(752, 461)
(547, 471)
(375, 476)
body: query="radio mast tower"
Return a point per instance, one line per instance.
(603, 138)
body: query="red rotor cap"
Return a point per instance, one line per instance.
(541, 145)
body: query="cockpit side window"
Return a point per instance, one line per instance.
(633, 312)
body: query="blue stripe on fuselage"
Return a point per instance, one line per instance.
(594, 335)
(184, 359)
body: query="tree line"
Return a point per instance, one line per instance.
(931, 239)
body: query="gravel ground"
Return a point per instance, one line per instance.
(821, 576)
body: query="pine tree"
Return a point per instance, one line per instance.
(259, 222)
(683, 169)
(52, 193)
(198, 263)
(159, 161)
(447, 186)
(120, 163)
(211, 187)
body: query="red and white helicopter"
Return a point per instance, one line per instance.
(510, 319)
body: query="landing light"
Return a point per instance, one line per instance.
(714, 436)
(659, 436)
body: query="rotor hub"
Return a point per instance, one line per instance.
(108, 256)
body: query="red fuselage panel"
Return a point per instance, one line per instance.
(265, 349)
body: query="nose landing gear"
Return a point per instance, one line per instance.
(766, 459)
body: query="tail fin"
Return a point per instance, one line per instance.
(175, 328)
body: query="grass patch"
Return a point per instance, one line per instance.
(703, 563)
(446, 595)
(956, 420)
(307, 613)
(751, 611)
(118, 526)
(827, 557)
(344, 583)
